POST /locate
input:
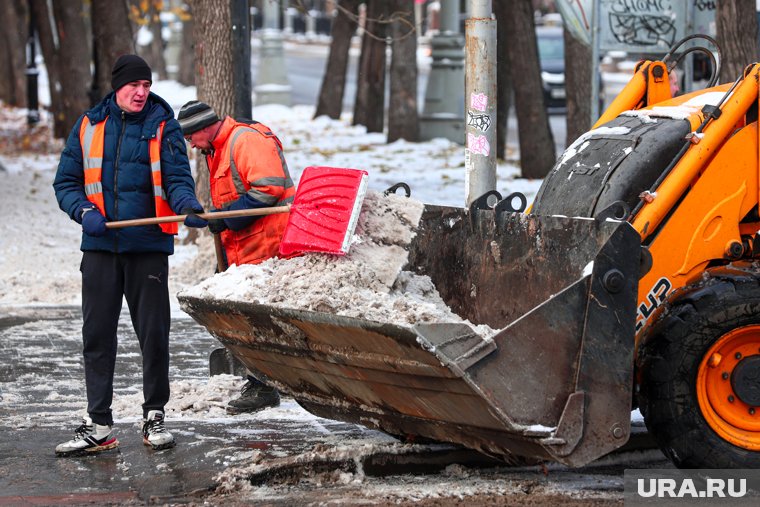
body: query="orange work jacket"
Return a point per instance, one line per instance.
(248, 159)
(92, 140)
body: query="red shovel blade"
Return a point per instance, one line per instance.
(324, 211)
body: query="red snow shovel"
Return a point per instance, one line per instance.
(325, 211)
(322, 218)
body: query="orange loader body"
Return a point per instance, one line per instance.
(698, 224)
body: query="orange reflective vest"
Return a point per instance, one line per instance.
(248, 159)
(92, 140)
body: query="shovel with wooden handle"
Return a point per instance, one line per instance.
(322, 218)
(221, 265)
(205, 216)
(221, 261)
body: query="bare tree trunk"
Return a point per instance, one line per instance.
(537, 152)
(503, 78)
(14, 37)
(369, 105)
(214, 72)
(64, 43)
(736, 23)
(403, 118)
(112, 37)
(74, 51)
(45, 25)
(344, 24)
(186, 74)
(213, 54)
(577, 86)
(157, 48)
(5, 83)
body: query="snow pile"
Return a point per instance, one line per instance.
(333, 465)
(201, 399)
(368, 282)
(190, 399)
(285, 482)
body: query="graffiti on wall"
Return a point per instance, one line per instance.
(639, 25)
(642, 22)
(652, 25)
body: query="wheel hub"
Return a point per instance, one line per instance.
(745, 380)
(728, 387)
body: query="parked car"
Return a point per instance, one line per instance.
(551, 54)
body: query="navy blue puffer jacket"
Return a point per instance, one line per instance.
(126, 177)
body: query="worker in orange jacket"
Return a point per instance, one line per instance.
(247, 169)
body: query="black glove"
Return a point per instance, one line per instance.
(191, 209)
(217, 225)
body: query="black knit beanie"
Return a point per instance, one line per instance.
(129, 68)
(196, 115)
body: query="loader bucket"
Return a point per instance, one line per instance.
(554, 382)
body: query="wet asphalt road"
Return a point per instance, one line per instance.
(41, 371)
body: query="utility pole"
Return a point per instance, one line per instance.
(272, 85)
(480, 101)
(33, 114)
(595, 15)
(241, 59)
(444, 97)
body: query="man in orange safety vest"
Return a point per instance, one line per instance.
(247, 169)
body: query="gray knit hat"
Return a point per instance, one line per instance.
(196, 115)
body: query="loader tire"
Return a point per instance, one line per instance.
(698, 368)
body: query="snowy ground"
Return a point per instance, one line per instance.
(39, 259)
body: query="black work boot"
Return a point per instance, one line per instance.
(254, 396)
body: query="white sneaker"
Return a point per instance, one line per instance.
(155, 433)
(90, 438)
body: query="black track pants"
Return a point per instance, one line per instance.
(142, 279)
